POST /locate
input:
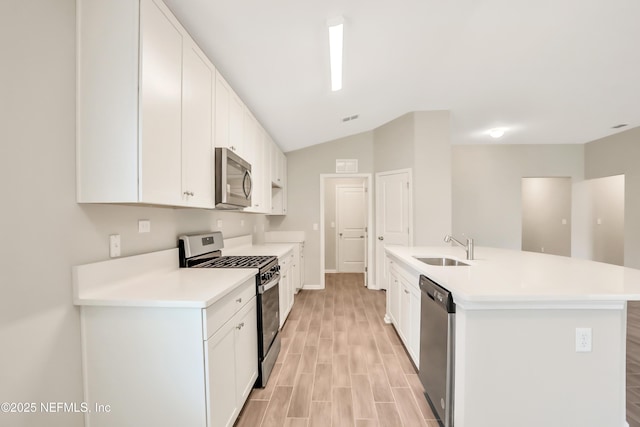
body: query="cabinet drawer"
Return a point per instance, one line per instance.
(218, 313)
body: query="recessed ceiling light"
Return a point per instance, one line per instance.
(496, 132)
(336, 27)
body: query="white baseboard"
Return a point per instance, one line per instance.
(315, 287)
(330, 271)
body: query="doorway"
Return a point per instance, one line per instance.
(345, 221)
(351, 228)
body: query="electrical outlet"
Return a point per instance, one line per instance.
(315, 227)
(219, 223)
(144, 226)
(583, 340)
(114, 245)
(564, 221)
(242, 223)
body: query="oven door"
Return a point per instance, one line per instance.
(269, 314)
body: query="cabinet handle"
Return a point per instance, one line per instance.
(239, 300)
(380, 238)
(240, 326)
(405, 291)
(188, 193)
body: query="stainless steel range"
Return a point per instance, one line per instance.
(204, 251)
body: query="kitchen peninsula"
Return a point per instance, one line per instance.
(517, 315)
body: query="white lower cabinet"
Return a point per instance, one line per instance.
(286, 285)
(403, 307)
(170, 366)
(232, 365)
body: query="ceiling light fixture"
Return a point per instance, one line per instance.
(496, 132)
(336, 28)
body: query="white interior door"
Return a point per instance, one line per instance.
(351, 222)
(393, 216)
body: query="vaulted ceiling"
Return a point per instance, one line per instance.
(548, 71)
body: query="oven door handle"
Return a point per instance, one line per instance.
(264, 288)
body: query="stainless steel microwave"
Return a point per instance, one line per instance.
(233, 180)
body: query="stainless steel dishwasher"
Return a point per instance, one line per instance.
(437, 348)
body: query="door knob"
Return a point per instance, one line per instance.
(380, 238)
(340, 234)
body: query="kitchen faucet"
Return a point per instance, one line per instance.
(468, 247)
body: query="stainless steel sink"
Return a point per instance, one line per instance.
(442, 262)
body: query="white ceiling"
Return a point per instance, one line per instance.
(551, 71)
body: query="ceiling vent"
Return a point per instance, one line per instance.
(349, 118)
(621, 125)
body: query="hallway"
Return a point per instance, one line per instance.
(340, 365)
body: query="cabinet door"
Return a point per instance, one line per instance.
(254, 155)
(302, 271)
(394, 298)
(295, 270)
(266, 172)
(236, 124)
(223, 94)
(405, 311)
(285, 288)
(414, 321)
(221, 361)
(229, 117)
(197, 147)
(246, 350)
(283, 174)
(160, 107)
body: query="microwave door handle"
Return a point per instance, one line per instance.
(247, 179)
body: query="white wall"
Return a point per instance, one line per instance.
(619, 154)
(598, 208)
(432, 173)
(546, 215)
(487, 200)
(39, 327)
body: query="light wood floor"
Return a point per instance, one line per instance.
(340, 365)
(633, 364)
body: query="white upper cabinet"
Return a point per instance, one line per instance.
(160, 112)
(145, 95)
(197, 127)
(151, 107)
(229, 118)
(254, 141)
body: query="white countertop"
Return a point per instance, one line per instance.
(500, 275)
(154, 280)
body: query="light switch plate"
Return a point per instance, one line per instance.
(219, 223)
(114, 245)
